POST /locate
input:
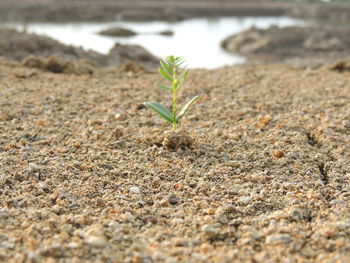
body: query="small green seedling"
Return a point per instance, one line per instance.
(173, 71)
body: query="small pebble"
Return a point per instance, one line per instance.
(211, 211)
(337, 202)
(278, 154)
(278, 239)
(134, 190)
(95, 241)
(173, 199)
(209, 231)
(346, 123)
(245, 199)
(177, 220)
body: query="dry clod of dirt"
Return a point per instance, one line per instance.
(340, 66)
(177, 140)
(278, 154)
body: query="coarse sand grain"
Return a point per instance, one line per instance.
(263, 175)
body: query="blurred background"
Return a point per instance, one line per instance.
(208, 33)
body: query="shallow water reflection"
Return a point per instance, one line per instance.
(198, 40)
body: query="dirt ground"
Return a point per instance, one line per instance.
(169, 10)
(258, 172)
(106, 10)
(86, 173)
(33, 50)
(309, 46)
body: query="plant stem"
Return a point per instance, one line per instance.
(174, 98)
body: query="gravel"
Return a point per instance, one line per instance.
(89, 175)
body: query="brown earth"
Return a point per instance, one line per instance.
(259, 174)
(106, 10)
(259, 171)
(302, 46)
(20, 46)
(169, 10)
(117, 32)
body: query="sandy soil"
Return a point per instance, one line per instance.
(258, 172)
(86, 174)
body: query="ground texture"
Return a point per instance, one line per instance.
(260, 172)
(309, 46)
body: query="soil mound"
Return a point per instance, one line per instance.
(132, 53)
(117, 32)
(59, 65)
(282, 44)
(18, 46)
(166, 33)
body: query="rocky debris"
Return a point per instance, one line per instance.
(117, 32)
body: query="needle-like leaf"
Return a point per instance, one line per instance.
(183, 75)
(182, 81)
(165, 75)
(161, 110)
(165, 66)
(185, 108)
(163, 87)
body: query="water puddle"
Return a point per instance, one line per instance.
(198, 40)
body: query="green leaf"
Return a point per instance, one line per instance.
(182, 80)
(180, 63)
(166, 76)
(171, 59)
(185, 108)
(165, 66)
(177, 59)
(183, 75)
(161, 110)
(163, 87)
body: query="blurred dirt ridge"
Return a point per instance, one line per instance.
(315, 45)
(17, 46)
